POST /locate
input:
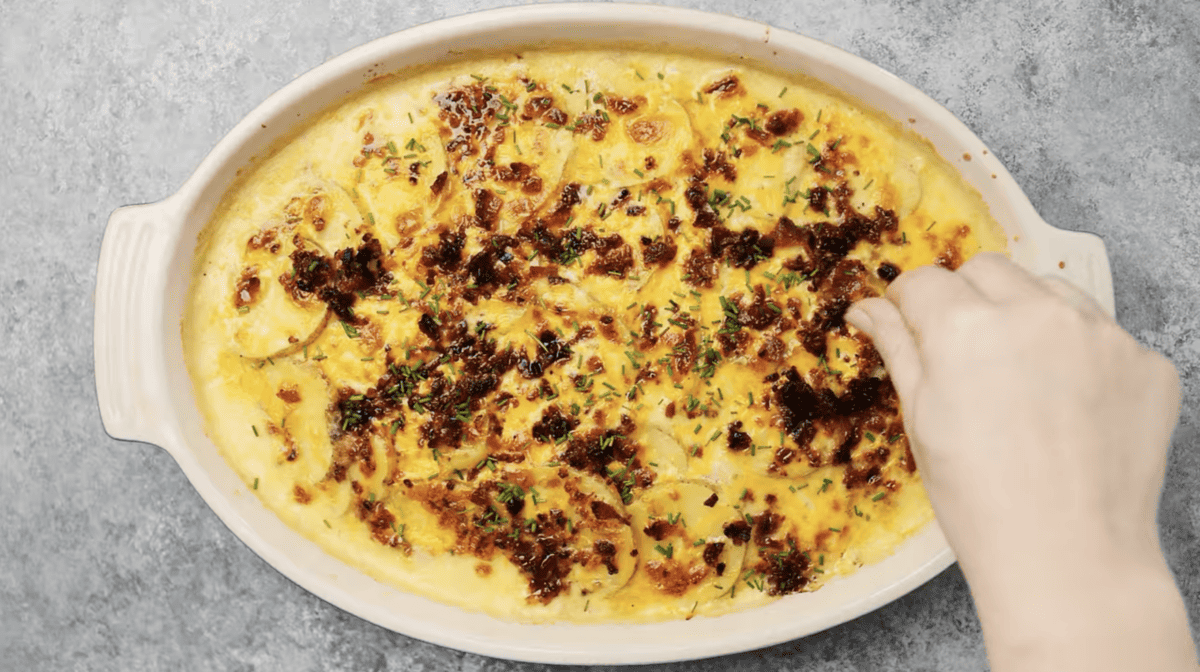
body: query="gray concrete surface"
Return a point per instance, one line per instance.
(108, 557)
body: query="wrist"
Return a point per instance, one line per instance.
(1093, 608)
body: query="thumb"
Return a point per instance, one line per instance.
(881, 320)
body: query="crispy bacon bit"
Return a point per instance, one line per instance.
(382, 523)
(725, 87)
(816, 198)
(248, 286)
(439, 183)
(660, 251)
(759, 313)
(766, 524)
(674, 578)
(743, 250)
(487, 209)
(615, 261)
(447, 254)
(604, 511)
(803, 409)
(594, 123)
(773, 350)
(738, 531)
(550, 350)
(429, 327)
(554, 425)
(697, 198)
(536, 106)
(715, 163)
(542, 107)
(659, 529)
(522, 173)
(700, 269)
(737, 439)
(758, 135)
(712, 556)
(338, 281)
(784, 122)
(315, 212)
(621, 105)
(264, 238)
(596, 449)
(607, 552)
(467, 113)
(787, 571)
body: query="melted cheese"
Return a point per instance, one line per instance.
(558, 336)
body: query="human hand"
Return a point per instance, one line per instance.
(1041, 429)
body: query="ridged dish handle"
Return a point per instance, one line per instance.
(1082, 259)
(128, 301)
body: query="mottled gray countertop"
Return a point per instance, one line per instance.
(108, 557)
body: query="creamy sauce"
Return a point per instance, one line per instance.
(559, 336)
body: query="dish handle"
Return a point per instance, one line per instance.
(128, 304)
(1082, 259)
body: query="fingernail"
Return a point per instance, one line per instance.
(860, 318)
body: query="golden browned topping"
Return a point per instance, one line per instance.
(585, 333)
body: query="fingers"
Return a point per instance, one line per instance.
(999, 279)
(926, 294)
(1073, 295)
(879, 319)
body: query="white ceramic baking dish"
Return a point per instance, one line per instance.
(145, 394)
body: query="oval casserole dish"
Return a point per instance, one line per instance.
(143, 277)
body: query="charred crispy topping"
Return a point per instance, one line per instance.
(728, 86)
(784, 122)
(247, 289)
(592, 123)
(620, 105)
(338, 281)
(888, 271)
(743, 250)
(658, 251)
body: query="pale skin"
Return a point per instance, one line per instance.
(1041, 429)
